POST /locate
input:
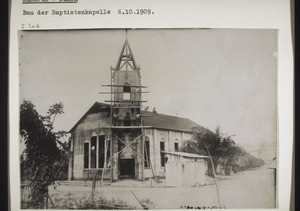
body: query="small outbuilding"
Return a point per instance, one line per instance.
(185, 169)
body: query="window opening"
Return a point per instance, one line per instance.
(101, 152)
(93, 151)
(86, 155)
(162, 155)
(176, 146)
(126, 91)
(147, 153)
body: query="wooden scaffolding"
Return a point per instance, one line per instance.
(126, 61)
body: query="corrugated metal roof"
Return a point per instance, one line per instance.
(186, 154)
(162, 121)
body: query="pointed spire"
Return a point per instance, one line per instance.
(126, 59)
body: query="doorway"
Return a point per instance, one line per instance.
(127, 169)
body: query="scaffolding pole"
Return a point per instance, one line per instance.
(115, 88)
(143, 156)
(147, 157)
(128, 146)
(125, 146)
(105, 161)
(110, 130)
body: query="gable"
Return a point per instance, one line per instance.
(96, 108)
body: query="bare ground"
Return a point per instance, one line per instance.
(250, 189)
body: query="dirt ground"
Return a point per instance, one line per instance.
(249, 189)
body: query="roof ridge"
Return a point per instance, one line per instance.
(102, 103)
(167, 115)
(95, 103)
(163, 121)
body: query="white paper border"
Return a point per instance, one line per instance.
(266, 14)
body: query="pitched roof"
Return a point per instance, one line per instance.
(162, 121)
(159, 121)
(96, 108)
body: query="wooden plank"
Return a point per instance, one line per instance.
(122, 107)
(133, 116)
(124, 86)
(122, 92)
(125, 101)
(127, 127)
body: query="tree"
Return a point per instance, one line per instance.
(43, 156)
(203, 141)
(222, 149)
(227, 153)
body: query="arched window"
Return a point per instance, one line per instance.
(107, 142)
(162, 155)
(147, 153)
(86, 154)
(96, 151)
(93, 151)
(126, 91)
(176, 145)
(101, 151)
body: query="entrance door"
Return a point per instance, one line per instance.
(127, 168)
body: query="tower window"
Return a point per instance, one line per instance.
(126, 91)
(126, 87)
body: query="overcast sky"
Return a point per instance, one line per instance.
(215, 77)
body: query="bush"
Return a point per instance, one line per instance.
(147, 204)
(99, 202)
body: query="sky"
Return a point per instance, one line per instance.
(215, 77)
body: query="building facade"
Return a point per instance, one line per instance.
(119, 139)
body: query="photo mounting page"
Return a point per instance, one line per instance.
(153, 116)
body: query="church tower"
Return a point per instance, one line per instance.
(126, 86)
(127, 78)
(126, 125)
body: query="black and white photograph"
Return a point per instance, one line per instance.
(169, 118)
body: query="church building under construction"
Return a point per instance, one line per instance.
(120, 138)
